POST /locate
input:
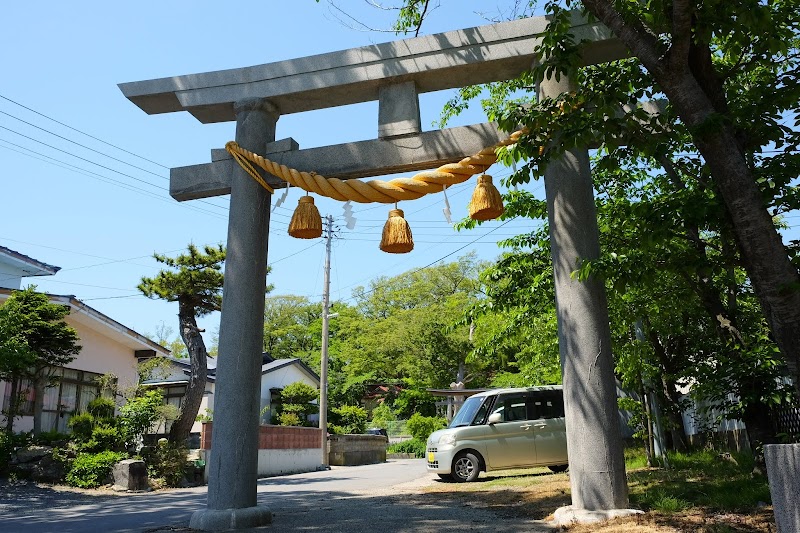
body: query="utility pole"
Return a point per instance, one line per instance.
(323, 375)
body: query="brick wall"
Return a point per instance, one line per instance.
(274, 437)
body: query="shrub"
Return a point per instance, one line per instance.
(90, 470)
(50, 438)
(415, 446)
(82, 425)
(139, 414)
(421, 427)
(102, 408)
(166, 461)
(288, 419)
(104, 438)
(296, 399)
(351, 418)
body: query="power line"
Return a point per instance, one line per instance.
(92, 149)
(94, 175)
(82, 132)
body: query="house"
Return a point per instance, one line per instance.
(275, 375)
(108, 347)
(14, 266)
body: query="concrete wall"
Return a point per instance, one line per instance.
(282, 450)
(351, 450)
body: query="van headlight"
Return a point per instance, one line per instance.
(448, 439)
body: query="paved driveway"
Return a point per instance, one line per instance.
(373, 498)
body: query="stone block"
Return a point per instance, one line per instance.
(130, 474)
(398, 110)
(31, 454)
(48, 470)
(783, 470)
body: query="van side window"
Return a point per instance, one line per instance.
(547, 404)
(512, 408)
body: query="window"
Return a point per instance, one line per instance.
(549, 404)
(172, 396)
(512, 408)
(25, 396)
(73, 392)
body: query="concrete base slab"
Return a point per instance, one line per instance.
(565, 516)
(231, 519)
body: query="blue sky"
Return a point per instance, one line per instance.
(100, 218)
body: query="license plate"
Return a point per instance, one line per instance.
(431, 457)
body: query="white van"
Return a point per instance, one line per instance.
(502, 428)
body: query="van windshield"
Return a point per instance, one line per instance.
(467, 413)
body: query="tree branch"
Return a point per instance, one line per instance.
(636, 36)
(681, 34)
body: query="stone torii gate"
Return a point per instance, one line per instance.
(394, 74)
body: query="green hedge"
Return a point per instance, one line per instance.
(415, 446)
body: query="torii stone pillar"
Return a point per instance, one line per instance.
(233, 467)
(594, 442)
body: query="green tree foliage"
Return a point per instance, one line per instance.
(421, 427)
(296, 404)
(35, 341)
(382, 415)
(348, 420)
(729, 73)
(292, 328)
(687, 199)
(194, 280)
(139, 415)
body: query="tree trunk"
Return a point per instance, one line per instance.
(687, 78)
(190, 334)
(13, 405)
(673, 411)
(759, 427)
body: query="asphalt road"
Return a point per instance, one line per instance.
(385, 497)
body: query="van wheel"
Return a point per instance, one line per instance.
(557, 469)
(445, 477)
(466, 467)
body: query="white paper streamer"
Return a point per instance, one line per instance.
(446, 210)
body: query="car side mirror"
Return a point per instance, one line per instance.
(495, 418)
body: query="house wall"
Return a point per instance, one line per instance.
(98, 354)
(278, 379)
(10, 277)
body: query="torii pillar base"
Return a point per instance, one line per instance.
(228, 519)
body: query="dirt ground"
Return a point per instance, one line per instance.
(537, 493)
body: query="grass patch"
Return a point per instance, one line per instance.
(701, 479)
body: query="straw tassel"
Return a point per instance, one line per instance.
(396, 238)
(486, 203)
(306, 222)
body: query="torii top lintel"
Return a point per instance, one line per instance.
(434, 62)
